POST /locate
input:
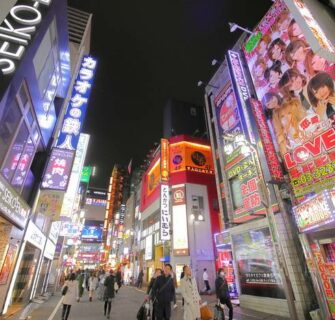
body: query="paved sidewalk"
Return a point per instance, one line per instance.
(125, 307)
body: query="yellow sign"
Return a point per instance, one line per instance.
(164, 160)
(153, 177)
(50, 203)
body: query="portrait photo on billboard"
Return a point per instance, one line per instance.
(92, 231)
(296, 88)
(255, 258)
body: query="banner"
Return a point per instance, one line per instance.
(255, 257)
(165, 213)
(297, 92)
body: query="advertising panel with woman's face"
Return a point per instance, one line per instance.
(298, 95)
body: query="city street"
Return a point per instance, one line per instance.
(125, 306)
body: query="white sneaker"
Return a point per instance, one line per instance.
(175, 306)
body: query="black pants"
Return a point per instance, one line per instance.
(108, 306)
(163, 311)
(228, 303)
(66, 311)
(208, 288)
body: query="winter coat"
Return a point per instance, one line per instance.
(109, 287)
(164, 289)
(221, 288)
(189, 291)
(93, 283)
(72, 292)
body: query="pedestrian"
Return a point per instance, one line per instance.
(151, 294)
(118, 279)
(207, 288)
(222, 292)
(70, 289)
(93, 285)
(109, 293)
(101, 285)
(81, 280)
(174, 301)
(189, 291)
(140, 279)
(164, 290)
(182, 275)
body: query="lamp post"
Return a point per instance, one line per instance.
(248, 149)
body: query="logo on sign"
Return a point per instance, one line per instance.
(179, 196)
(177, 159)
(198, 158)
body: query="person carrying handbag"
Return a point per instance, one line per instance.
(164, 291)
(70, 292)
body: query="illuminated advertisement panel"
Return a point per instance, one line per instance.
(188, 156)
(296, 89)
(50, 203)
(92, 231)
(153, 177)
(86, 174)
(69, 229)
(58, 170)
(165, 213)
(255, 258)
(179, 221)
(164, 160)
(316, 211)
(75, 114)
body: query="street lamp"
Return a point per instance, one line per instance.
(234, 26)
(247, 149)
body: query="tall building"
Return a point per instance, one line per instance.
(35, 89)
(268, 173)
(184, 118)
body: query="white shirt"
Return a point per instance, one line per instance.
(205, 276)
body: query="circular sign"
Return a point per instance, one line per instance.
(177, 159)
(198, 158)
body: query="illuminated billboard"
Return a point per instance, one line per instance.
(189, 156)
(296, 88)
(92, 231)
(58, 171)
(75, 114)
(153, 177)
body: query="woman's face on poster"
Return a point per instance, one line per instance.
(284, 25)
(274, 77)
(262, 47)
(322, 93)
(296, 84)
(299, 55)
(259, 71)
(272, 103)
(296, 31)
(318, 63)
(276, 52)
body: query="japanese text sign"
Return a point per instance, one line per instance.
(165, 213)
(164, 160)
(76, 110)
(58, 170)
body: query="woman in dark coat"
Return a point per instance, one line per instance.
(109, 293)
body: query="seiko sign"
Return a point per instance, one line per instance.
(12, 207)
(17, 30)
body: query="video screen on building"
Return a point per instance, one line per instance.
(92, 231)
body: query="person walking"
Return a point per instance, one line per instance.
(222, 292)
(70, 296)
(190, 294)
(164, 290)
(151, 294)
(92, 284)
(109, 293)
(174, 278)
(101, 285)
(205, 277)
(140, 279)
(118, 279)
(81, 280)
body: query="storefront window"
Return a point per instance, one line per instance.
(9, 120)
(20, 137)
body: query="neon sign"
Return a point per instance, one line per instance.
(76, 110)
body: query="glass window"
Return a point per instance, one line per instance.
(14, 155)
(23, 95)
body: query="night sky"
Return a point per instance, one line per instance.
(149, 51)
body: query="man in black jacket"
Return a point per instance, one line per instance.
(164, 292)
(222, 292)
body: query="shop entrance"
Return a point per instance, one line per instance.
(40, 289)
(25, 276)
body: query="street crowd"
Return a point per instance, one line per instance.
(160, 295)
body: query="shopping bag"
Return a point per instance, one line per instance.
(218, 312)
(206, 313)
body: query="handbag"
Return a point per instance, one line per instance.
(218, 312)
(141, 313)
(116, 286)
(64, 290)
(206, 313)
